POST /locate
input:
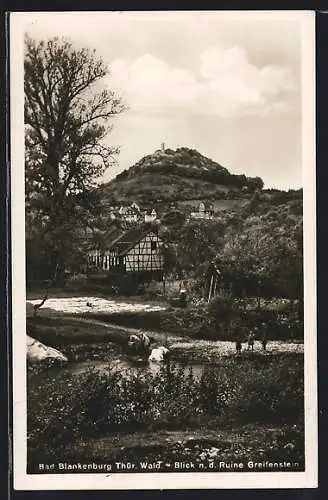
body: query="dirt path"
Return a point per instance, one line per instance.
(160, 336)
(205, 350)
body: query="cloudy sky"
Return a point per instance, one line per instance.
(228, 86)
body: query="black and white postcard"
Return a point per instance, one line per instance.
(163, 250)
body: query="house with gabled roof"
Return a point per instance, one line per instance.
(151, 217)
(136, 251)
(205, 211)
(139, 250)
(135, 206)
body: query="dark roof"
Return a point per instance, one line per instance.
(112, 235)
(101, 240)
(113, 232)
(129, 239)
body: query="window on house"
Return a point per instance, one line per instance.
(153, 245)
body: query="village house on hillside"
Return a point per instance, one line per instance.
(205, 211)
(150, 217)
(138, 250)
(129, 213)
(132, 214)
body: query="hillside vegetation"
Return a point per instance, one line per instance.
(255, 235)
(180, 175)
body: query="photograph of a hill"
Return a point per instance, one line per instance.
(165, 251)
(183, 174)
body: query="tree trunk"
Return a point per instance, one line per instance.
(258, 298)
(36, 307)
(164, 286)
(258, 303)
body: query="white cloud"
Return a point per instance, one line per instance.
(227, 85)
(149, 82)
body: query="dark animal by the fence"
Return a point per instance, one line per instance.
(139, 344)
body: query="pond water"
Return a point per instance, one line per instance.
(123, 364)
(116, 361)
(111, 357)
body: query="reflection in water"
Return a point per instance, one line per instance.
(122, 364)
(119, 362)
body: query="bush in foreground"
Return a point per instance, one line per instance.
(97, 402)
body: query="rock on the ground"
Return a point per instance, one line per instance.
(36, 351)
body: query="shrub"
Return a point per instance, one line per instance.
(76, 282)
(230, 320)
(222, 309)
(236, 390)
(273, 393)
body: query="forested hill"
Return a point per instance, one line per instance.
(177, 175)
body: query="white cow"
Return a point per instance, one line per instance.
(39, 352)
(158, 354)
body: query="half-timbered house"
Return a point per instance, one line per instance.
(135, 206)
(137, 251)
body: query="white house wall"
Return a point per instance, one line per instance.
(145, 255)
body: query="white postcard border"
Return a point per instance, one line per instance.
(117, 481)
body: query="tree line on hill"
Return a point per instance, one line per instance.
(185, 163)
